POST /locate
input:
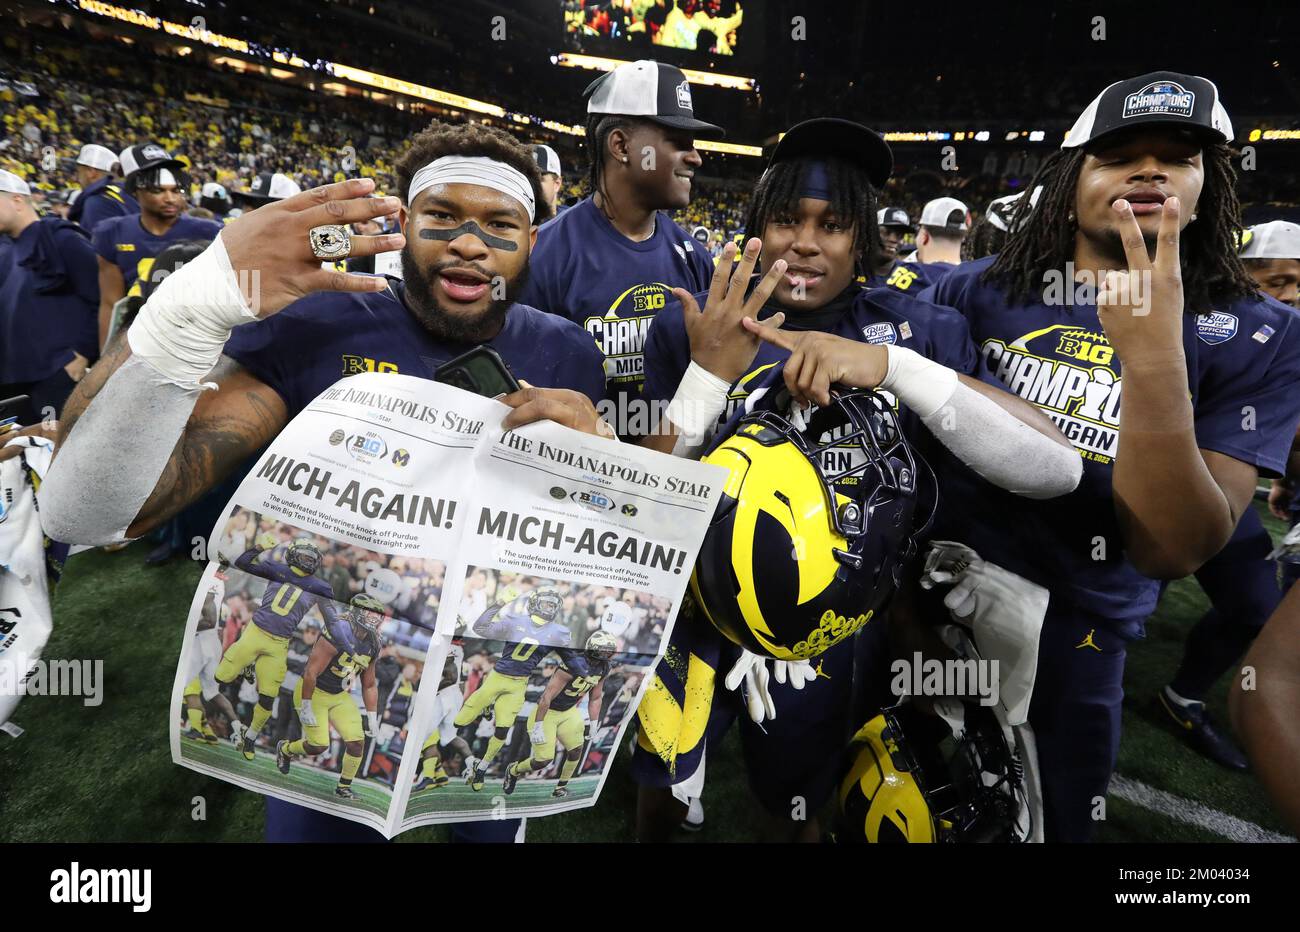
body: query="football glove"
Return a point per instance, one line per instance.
(306, 714)
(751, 669)
(371, 726)
(539, 733)
(266, 541)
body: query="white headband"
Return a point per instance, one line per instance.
(464, 169)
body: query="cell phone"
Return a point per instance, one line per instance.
(11, 409)
(481, 371)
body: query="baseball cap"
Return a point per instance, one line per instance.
(213, 190)
(268, 187)
(1165, 98)
(1277, 239)
(145, 157)
(12, 184)
(99, 157)
(893, 217)
(831, 136)
(654, 90)
(547, 159)
(1002, 210)
(947, 213)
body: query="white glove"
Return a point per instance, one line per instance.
(539, 733)
(1004, 611)
(306, 715)
(372, 724)
(752, 670)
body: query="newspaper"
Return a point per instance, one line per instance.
(522, 586)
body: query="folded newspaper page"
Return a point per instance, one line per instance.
(411, 616)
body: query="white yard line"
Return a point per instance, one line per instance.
(1193, 813)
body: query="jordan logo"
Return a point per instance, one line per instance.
(1088, 641)
(818, 670)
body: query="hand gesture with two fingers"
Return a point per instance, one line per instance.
(1141, 308)
(819, 360)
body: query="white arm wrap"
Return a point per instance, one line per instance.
(1002, 448)
(181, 330)
(920, 383)
(701, 397)
(112, 459)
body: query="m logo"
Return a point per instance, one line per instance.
(629, 510)
(401, 457)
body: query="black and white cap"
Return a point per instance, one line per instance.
(650, 89)
(1277, 239)
(146, 157)
(1161, 97)
(946, 213)
(1002, 210)
(268, 187)
(893, 217)
(547, 159)
(97, 157)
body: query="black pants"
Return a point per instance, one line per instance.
(45, 398)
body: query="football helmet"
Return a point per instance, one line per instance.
(365, 614)
(601, 645)
(544, 606)
(303, 555)
(814, 525)
(910, 781)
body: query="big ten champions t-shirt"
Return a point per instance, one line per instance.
(1243, 368)
(584, 269)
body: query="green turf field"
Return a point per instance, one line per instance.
(105, 773)
(302, 778)
(457, 796)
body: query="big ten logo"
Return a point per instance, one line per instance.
(372, 445)
(649, 302)
(1086, 348)
(355, 364)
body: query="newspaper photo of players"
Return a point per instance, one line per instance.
(302, 673)
(541, 679)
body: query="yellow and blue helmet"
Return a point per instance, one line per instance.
(912, 782)
(814, 525)
(303, 555)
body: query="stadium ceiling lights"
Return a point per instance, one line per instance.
(733, 82)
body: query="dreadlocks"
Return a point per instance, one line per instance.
(854, 200)
(1044, 240)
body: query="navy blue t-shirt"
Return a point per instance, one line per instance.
(125, 242)
(876, 316)
(101, 201)
(49, 300)
(907, 277)
(315, 341)
(584, 269)
(936, 271)
(1243, 363)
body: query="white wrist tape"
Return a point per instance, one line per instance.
(701, 397)
(922, 384)
(181, 330)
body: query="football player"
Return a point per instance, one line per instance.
(609, 261)
(1125, 275)
(292, 590)
(128, 244)
(531, 627)
(809, 323)
(445, 706)
(202, 693)
(323, 696)
(464, 233)
(557, 714)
